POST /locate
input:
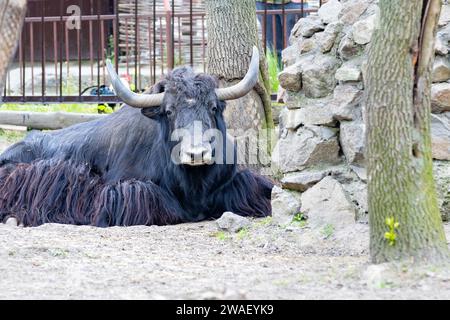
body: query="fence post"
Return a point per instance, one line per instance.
(169, 35)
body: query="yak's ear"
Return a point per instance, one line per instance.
(152, 112)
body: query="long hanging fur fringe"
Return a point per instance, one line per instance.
(53, 191)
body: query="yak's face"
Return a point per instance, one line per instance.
(189, 108)
(191, 117)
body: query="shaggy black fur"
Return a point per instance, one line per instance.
(118, 171)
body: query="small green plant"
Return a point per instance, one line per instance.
(273, 67)
(221, 235)
(299, 220)
(327, 231)
(390, 235)
(265, 221)
(243, 233)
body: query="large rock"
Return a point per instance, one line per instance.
(348, 49)
(440, 47)
(285, 205)
(232, 222)
(363, 30)
(352, 141)
(291, 77)
(329, 12)
(441, 170)
(326, 39)
(440, 136)
(306, 147)
(306, 27)
(349, 71)
(441, 69)
(327, 203)
(440, 97)
(444, 18)
(318, 77)
(352, 11)
(319, 114)
(345, 102)
(306, 45)
(290, 54)
(302, 181)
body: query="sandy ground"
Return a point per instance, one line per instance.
(196, 261)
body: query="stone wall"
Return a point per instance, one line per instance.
(320, 150)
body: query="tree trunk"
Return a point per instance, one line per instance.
(232, 32)
(12, 13)
(400, 181)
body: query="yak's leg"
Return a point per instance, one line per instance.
(21, 152)
(249, 194)
(136, 203)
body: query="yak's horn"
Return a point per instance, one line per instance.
(245, 85)
(129, 97)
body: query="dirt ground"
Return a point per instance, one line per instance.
(197, 261)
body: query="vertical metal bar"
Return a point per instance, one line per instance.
(61, 32)
(172, 36)
(265, 27)
(303, 8)
(43, 53)
(67, 53)
(154, 41)
(103, 52)
(150, 48)
(203, 44)
(32, 56)
(191, 32)
(161, 47)
(116, 35)
(283, 23)
(136, 44)
(24, 38)
(79, 40)
(55, 51)
(98, 49)
(274, 32)
(179, 41)
(127, 53)
(21, 60)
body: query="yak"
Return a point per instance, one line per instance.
(119, 170)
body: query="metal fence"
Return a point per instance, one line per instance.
(61, 57)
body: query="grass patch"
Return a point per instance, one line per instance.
(243, 233)
(63, 107)
(11, 136)
(221, 235)
(273, 69)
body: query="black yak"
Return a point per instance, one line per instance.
(119, 170)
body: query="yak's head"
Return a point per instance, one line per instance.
(190, 108)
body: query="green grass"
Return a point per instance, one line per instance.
(273, 68)
(76, 107)
(11, 136)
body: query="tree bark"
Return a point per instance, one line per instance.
(12, 13)
(398, 140)
(232, 32)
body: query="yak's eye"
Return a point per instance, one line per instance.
(214, 109)
(168, 112)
